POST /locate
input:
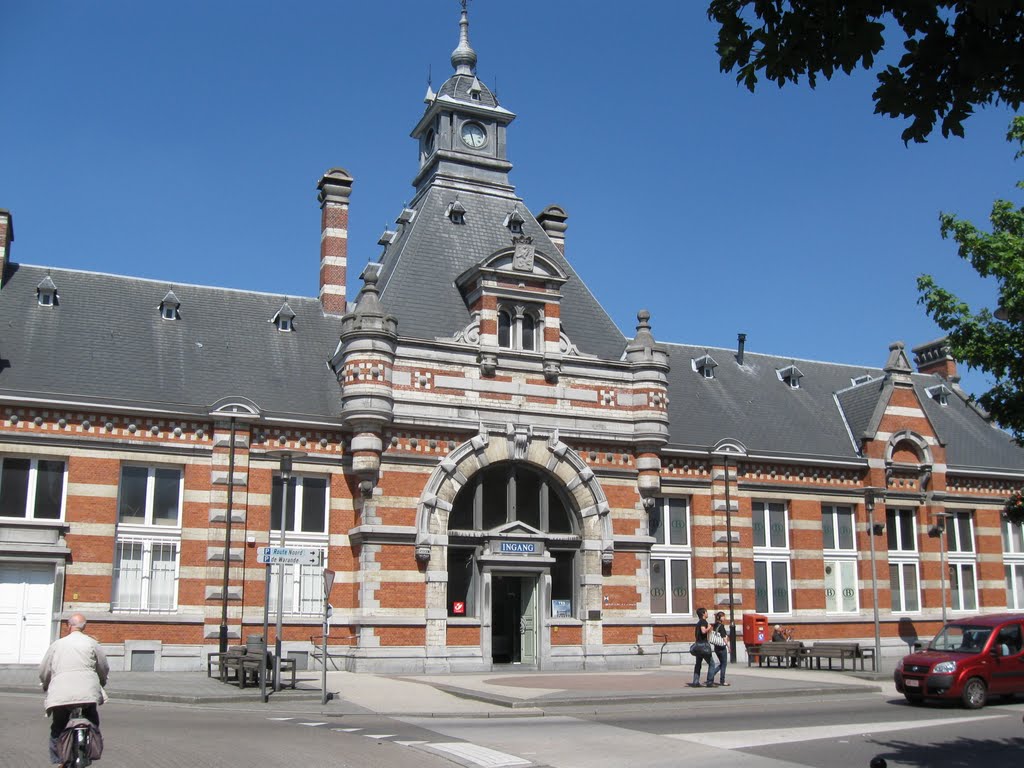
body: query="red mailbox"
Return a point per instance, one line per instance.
(755, 628)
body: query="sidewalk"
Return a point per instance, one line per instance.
(502, 693)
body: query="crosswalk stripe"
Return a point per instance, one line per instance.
(380, 735)
(281, 719)
(410, 743)
(766, 737)
(311, 725)
(347, 730)
(490, 758)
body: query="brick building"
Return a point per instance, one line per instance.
(495, 472)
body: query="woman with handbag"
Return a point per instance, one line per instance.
(701, 649)
(720, 645)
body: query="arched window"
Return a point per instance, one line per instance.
(510, 492)
(517, 328)
(504, 329)
(529, 332)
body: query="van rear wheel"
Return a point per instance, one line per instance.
(974, 694)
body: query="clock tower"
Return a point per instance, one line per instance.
(462, 132)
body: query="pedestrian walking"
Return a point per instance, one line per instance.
(73, 672)
(701, 649)
(720, 645)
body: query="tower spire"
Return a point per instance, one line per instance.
(464, 57)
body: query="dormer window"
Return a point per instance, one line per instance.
(791, 375)
(284, 318)
(517, 328)
(46, 292)
(858, 380)
(406, 216)
(169, 306)
(387, 238)
(475, 89)
(456, 213)
(705, 366)
(514, 222)
(939, 393)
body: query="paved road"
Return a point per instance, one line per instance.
(827, 731)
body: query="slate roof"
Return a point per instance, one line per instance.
(419, 268)
(458, 87)
(823, 419)
(106, 343)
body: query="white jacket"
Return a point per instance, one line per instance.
(73, 671)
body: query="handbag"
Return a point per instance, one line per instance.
(716, 639)
(700, 648)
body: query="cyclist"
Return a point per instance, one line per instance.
(73, 672)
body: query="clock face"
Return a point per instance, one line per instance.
(428, 142)
(474, 135)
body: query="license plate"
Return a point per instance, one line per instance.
(912, 683)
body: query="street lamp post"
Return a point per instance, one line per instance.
(869, 503)
(939, 530)
(286, 457)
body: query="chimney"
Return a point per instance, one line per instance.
(934, 357)
(741, 340)
(552, 221)
(6, 238)
(334, 187)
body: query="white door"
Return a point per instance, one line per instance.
(26, 612)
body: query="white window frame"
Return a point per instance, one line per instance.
(303, 586)
(516, 334)
(33, 480)
(900, 588)
(1013, 564)
(840, 560)
(143, 598)
(769, 553)
(297, 504)
(961, 559)
(667, 553)
(151, 537)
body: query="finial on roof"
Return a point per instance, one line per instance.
(464, 57)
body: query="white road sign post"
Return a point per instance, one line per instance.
(328, 584)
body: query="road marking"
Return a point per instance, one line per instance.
(766, 737)
(410, 743)
(281, 719)
(347, 730)
(380, 735)
(311, 725)
(490, 758)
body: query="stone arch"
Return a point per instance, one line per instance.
(906, 443)
(587, 500)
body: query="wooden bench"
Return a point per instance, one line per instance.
(841, 651)
(791, 650)
(219, 658)
(250, 669)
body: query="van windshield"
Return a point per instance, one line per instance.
(960, 639)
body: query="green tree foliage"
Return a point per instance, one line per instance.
(959, 54)
(980, 339)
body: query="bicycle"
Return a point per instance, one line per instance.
(80, 741)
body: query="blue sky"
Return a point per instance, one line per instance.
(183, 141)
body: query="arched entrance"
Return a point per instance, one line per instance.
(515, 532)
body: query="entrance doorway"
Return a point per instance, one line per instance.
(514, 619)
(26, 612)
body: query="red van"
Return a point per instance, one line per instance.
(970, 660)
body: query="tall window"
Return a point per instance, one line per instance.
(509, 492)
(904, 560)
(517, 328)
(669, 524)
(148, 543)
(31, 489)
(963, 592)
(1013, 564)
(840, 554)
(306, 526)
(771, 557)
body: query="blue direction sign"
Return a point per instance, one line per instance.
(288, 555)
